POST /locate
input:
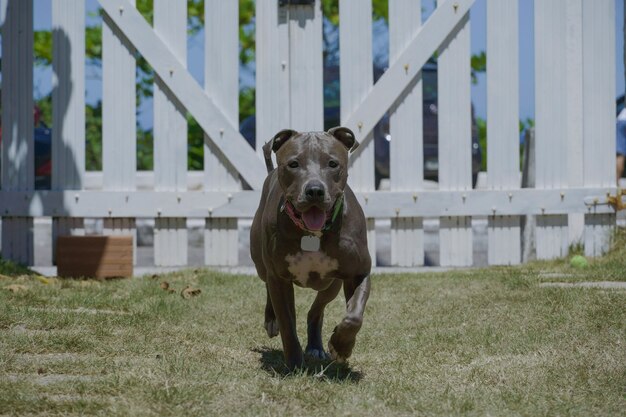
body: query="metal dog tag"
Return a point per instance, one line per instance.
(310, 243)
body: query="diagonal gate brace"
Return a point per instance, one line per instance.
(442, 23)
(220, 131)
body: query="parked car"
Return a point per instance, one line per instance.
(42, 136)
(43, 157)
(619, 107)
(382, 137)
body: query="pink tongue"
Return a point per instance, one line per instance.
(314, 218)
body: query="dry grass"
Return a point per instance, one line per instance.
(476, 342)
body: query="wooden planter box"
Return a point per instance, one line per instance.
(94, 256)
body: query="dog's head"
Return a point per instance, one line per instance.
(313, 170)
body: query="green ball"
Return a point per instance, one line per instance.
(578, 261)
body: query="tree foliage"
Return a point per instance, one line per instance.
(330, 8)
(479, 64)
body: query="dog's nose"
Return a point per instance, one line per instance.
(314, 191)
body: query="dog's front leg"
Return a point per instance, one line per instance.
(281, 294)
(342, 341)
(315, 318)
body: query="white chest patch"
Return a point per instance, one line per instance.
(303, 263)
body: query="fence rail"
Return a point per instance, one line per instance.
(575, 128)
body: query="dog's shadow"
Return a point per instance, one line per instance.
(272, 361)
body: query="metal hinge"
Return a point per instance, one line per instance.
(615, 201)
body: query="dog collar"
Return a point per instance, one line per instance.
(330, 220)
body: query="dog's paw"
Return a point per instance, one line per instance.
(340, 348)
(316, 353)
(334, 355)
(271, 327)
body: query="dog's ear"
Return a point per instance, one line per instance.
(273, 145)
(345, 136)
(281, 137)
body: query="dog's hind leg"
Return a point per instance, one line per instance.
(271, 325)
(315, 318)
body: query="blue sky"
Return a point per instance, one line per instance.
(42, 78)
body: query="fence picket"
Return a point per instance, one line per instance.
(599, 115)
(272, 71)
(119, 132)
(306, 67)
(551, 121)
(68, 104)
(455, 143)
(503, 232)
(406, 159)
(356, 76)
(574, 77)
(17, 124)
(221, 66)
(170, 136)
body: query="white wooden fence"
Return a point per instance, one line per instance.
(575, 127)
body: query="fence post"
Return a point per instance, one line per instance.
(17, 124)
(68, 109)
(119, 132)
(221, 71)
(599, 115)
(356, 75)
(406, 159)
(503, 232)
(170, 136)
(552, 238)
(455, 143)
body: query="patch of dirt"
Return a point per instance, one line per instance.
(21, 328)
(47, 379)
(533, 359)
(617, 285)
(80, 310)
(15, 288)
(75, 397)
(53, 357)
(551, 274)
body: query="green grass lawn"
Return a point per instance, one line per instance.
(478, 342)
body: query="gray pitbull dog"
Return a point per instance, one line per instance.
(309, 230)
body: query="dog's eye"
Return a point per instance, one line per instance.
(333, 164)
(293, 164)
